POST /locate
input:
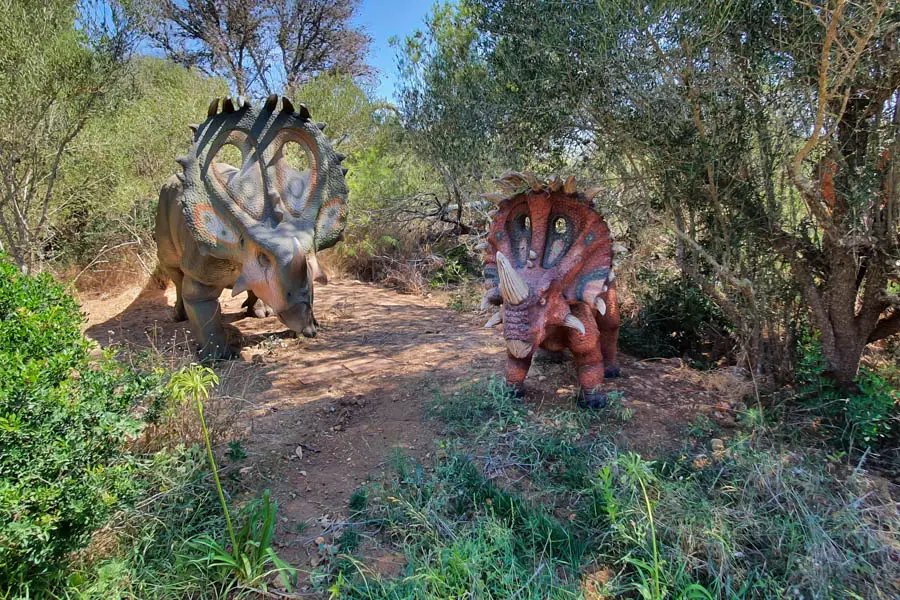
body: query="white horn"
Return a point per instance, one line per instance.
(574, 322)
(512, 287)
(600, 305)
(495, 319)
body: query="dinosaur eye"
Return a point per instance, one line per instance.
(560, 225)
(264, 261)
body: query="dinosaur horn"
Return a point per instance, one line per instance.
(298, 263)
(271, 103)
(512, 287)
(213, 109)
(493, 197)
(508, 187)
(574, 322)
(591, 193)
(495, 319)
(318, 274)
(532, 181)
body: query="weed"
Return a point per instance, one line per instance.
(485, 406)
(251, 551)
(701, 427)
(526, 511)
(236, 450)
(616, 407)
(359, 500)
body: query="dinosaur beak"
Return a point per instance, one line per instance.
(518, 348)
(299, 318)
(513, 288)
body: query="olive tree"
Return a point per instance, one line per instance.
(763, 135)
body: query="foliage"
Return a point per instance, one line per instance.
(866, 416)
(48, 93)
(65, 425)
(496, 519)
(675, 319)
(154, 553)
(251, 547)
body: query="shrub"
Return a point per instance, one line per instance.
(866, 416)
(676, 319)
(64, 427)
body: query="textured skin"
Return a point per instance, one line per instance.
(562, 250)
(255, 228)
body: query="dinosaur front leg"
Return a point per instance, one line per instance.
(201, 303)
(256, 307)
(588, 359)
(608, 325)
(516, 370)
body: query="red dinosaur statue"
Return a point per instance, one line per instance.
(549, 266)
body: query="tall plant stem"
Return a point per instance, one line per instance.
(656, 565)
(215, 472)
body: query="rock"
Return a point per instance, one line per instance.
(718, 448)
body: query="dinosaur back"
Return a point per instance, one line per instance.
(222, 202)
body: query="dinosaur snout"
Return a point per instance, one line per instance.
(299, 318)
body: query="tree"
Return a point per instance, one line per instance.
(221, 37)
(259, 46)
(445, 108)
(315, 37)
(762, 134)
(48, 93)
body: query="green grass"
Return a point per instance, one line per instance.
(521, 504)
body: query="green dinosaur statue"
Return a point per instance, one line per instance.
(256, 228)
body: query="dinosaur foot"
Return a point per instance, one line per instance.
(516, 389)
(612, 373)
(217, 352)
(179, 314)
(593, 400)
(259, 309)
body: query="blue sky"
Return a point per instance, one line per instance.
(383, 19)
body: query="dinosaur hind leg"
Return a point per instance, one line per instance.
(256, 307)
(179, 314)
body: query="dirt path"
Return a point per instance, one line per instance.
(323, 414)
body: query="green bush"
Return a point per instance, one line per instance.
(865, 417)
(676, 319)
(64, 429)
